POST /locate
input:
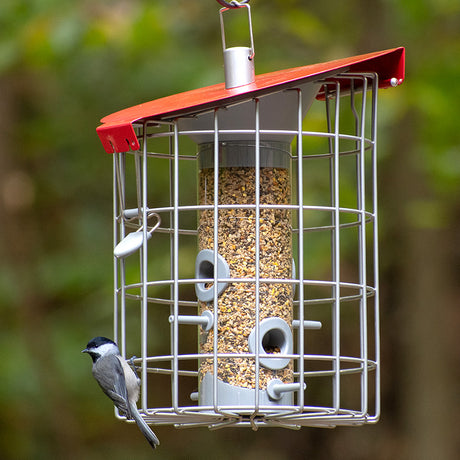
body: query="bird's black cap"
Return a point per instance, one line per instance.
(97, 341)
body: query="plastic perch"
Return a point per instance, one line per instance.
(276, 388)
(307, 324)
(206, 320)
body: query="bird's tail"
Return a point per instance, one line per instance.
(145, 429)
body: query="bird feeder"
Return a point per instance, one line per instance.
(267, 313)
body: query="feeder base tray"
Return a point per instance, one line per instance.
(230, 395)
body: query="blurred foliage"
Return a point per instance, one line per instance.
(66, 64)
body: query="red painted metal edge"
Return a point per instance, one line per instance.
(118, 138)
(117, 133)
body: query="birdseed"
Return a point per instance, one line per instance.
(237, 244)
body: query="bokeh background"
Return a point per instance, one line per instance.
(64, 64)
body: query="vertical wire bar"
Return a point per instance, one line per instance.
(119, 318)
(139, 185)
(257, 255)
(300, 268)
(362, 250)
(329, 126)
(172, 258)
(375, 246)
(332, 192)
(121, 171)
(327, 99)
(115, 242)
(175, 388)
(144, 270)
(336, 252)
(216, 243)
(353, 109)
(120, 183)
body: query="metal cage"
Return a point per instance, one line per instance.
(280, 325)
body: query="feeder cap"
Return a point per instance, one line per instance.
(117, 132)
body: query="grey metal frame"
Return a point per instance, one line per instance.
(334, 366)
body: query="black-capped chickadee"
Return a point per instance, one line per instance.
(118, 381)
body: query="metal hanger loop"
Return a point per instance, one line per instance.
(232, 4)
(243, 4)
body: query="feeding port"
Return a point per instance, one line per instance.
(267, 313)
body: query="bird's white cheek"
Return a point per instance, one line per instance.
(107, 348)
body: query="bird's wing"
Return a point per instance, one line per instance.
(109, 374)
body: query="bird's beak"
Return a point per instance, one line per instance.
(85, 350)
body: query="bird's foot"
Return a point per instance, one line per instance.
(131, 362)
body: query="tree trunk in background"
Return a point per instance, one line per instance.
(428, 369)
(45, 420)
(418, 306)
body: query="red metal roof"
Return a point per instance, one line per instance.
(117, 133)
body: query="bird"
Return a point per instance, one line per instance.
(118, 381)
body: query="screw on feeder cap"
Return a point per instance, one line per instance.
(238, 60)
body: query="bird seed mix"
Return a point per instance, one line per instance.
(236, 243)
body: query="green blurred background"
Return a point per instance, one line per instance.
(64, 64)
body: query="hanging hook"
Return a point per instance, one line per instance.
(222, 29)
(238, 60)
(232, 4)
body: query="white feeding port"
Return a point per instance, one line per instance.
(204, 270)
(275, 338)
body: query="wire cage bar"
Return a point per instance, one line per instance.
(280, 325)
